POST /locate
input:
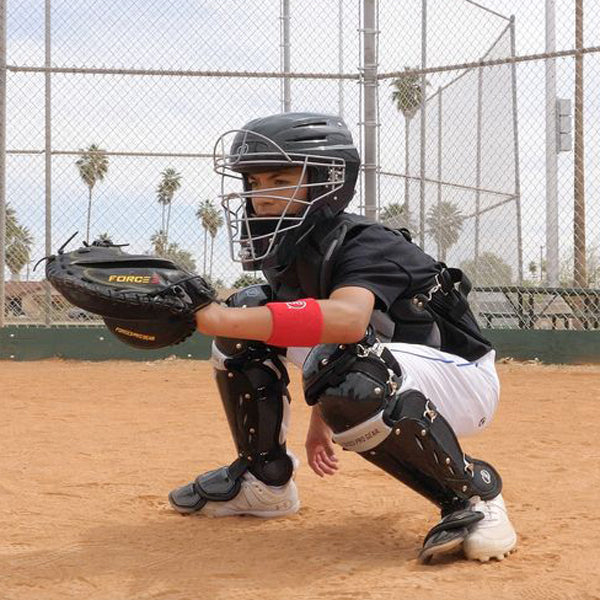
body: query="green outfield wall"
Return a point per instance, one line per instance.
(97, 343)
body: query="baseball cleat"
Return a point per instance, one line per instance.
(254, 498)
(493, 536)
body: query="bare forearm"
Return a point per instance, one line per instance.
(341, 323)
(238, 323)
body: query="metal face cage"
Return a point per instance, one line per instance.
(239, 153)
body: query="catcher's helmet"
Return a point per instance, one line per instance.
(321, 145)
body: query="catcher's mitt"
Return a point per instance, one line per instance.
(146, 301)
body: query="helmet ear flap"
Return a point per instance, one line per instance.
(316, 175)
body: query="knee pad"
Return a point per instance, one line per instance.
(252, 379)
(357, 388)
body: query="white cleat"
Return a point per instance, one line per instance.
(493, 536)
(258, 499)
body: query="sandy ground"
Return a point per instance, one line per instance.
(90, 451)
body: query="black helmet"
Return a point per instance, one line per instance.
(320, 144)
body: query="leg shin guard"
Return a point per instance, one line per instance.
(402, 433)
(252, 381)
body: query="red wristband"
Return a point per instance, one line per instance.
(298, 323)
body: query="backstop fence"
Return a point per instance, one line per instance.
(478, 124)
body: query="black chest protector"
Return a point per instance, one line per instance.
(437, 316)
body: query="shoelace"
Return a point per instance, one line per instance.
(491, 511)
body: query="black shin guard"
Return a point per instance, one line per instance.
(252, 381)
(422, 451)
(402, 433)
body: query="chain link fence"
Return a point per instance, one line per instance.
(477, 123)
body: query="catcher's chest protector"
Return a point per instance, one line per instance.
(439, 318)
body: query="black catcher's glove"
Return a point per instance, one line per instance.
(146, 301)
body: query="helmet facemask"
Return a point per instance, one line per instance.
(240, 153)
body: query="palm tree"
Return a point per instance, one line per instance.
(18, 243)
(444, 222)
(532, 268)
(407, 95)
(214, 223)
(396, 216)
(18, 250)
(161, 247)
(203, 214)
(104, 237)
(93, 166)
(165, 192)
(159, 243)
(12, 224)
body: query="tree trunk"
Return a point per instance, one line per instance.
(204, 254)
(212, 245)
(168, 221)
(89, 215)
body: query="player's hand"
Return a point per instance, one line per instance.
(320, 451)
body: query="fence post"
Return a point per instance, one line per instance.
(551, 152)
(2, 158)
(341, 57)
(478, 167)
(48, 150)
(423, 124)
(286, 100)
(440, 242)
(579, 242)
(513, 74)
(370, 108)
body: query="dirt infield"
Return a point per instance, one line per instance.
(90, 451)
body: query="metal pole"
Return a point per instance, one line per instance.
(341, 57)
(2, 158)
(579, 245)
(370, 108)
(378, 115)
(286, 101)
(551, 151)
(407, 167)
(440, 242)
(48, 153)
(361, 71)
(513, 74)
(478, 167)
(423, 124)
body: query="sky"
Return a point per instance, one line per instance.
(167, 114)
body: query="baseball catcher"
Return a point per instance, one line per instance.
(393, 361)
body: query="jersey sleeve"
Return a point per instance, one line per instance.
(383, 262)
